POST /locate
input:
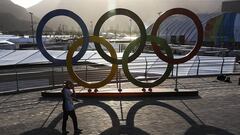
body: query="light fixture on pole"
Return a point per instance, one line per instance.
(130, 22)
(32, 26)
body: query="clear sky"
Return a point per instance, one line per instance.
(26, 3)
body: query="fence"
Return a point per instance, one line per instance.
(17, 78)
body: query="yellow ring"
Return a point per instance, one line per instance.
(75, 77)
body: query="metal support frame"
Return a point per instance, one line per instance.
(176, 80)
(17, 83)
(86, 70)
(223, 60)
(53, 83)
(32, 27)
(53, 78)
(238, 81)
(198, 66)
(119, 80)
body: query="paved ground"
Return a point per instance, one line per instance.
(215, 111)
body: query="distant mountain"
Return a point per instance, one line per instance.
(13, 18)
(91, 10)
(147, 10)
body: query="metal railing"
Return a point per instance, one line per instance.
(17, 78)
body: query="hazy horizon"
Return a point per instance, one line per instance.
(199, 6)
(91, 10)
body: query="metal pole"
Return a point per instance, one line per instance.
(238, 81)
(222, 65)
(117, 78)
(130, 29)
(146, 69)
(120, 49)
(176, 81)
(31, 14)
(145, 74)
(86, 68)
(53, 81)
(91, 26)
(198, 65)
(119, 83)
(17, 84)
(86, 72)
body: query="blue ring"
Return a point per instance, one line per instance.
(62, 12)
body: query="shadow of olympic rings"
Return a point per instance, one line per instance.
(132, 112)
(115, 120)
(195, 129)
(129, 128)
(50, 129)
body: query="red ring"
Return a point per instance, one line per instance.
(198, 44)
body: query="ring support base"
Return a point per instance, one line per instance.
(132, 92)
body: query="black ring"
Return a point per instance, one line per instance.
(132, 15)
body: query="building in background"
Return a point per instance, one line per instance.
(231, 6)
(221, 30)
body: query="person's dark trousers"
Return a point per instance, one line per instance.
(65, 118)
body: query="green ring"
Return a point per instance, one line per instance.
(163, 44)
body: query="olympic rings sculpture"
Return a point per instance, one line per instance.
(157, 43)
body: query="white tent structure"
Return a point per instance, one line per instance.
(204, 65)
